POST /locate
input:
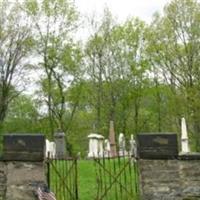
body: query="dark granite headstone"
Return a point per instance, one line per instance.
(157, 145)
(23, 147)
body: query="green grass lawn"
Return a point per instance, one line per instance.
(86, 179)
(94, 179)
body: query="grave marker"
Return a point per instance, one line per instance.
(23, 147)
(157, 145)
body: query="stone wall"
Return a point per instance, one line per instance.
(19, 180)
(22, 168)
(169, 179)
(2, 180)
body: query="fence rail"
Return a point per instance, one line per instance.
(113, 178)
(62, 178)
(116, 178)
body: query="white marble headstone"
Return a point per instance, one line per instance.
(95, 145)
(107, 148)
(122, 145)
(133, 147)
(184, 137)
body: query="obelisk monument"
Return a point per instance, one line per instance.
(184, 137)
(113, 149)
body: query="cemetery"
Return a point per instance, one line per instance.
(99, 100)
(29, 162)
(153, 167)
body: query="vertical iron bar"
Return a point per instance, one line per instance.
(56, 178)
(67, 178)
(63, 175)
(137, 179)
(120, 178)
(114, 174)
(124, 174)
(110, 172)
(59, 179)
(131, 168)
(97, 177)
(70, 178)
(100, 177)
(48, 170)
(104, 173)
(76, 179)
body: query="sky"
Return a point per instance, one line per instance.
(144, 9)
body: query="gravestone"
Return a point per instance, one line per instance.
(106, 148)
(113, 148)
(122, 145)
(184, 137)
(50, 151)
(157, 145)
(23, 147)
(133, 147)
(95, 145)
(60, 144)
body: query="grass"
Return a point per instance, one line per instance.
(86, 180)
(93, 179)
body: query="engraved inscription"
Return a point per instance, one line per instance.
(160, 140)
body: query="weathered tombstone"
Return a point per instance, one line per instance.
(157, 145)
(113, 149)
(23, 147)
(184, 137)
(50, 149)
(106, 148)
(122, 145)
(59, 138)
(95, 145)
(133, 147)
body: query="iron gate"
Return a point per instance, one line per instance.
(114, 178)
(62, 178)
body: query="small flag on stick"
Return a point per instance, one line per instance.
(45, 194)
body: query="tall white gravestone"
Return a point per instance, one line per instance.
(133, 147)
(107, 148)
(122, 145)
(50, 149)
(95, 145)
(184, 137)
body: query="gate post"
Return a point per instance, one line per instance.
(76, 178)
(48, 170)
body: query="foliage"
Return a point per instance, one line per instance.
(144, 77)
(16, 43)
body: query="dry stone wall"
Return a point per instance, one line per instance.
(22, 166)
(19, 180)
(164, 173)
(169, 179)
(2, 180)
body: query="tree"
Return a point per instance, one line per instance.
(22, 116)
(174, 41)
(59, 57)
(116, 67)
(15, 44)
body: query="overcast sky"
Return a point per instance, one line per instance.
(122, 9)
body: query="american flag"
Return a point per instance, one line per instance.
(45, 194)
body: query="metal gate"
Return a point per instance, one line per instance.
(114, 178)
(62, 178)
